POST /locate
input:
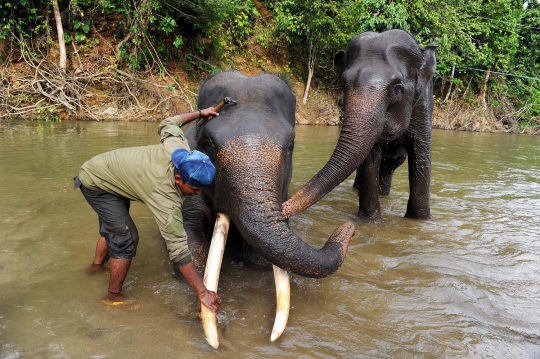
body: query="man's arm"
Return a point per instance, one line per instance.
(170, 126)
(190, 116)
(208, 298)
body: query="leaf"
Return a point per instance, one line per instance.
(80, 37)
(178, 41)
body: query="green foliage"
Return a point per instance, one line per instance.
(473, 36)
(526, 62)
(477, 36)
(159, 29)
(46, 113)
(20, 18)
(317, 29)
(82, 27)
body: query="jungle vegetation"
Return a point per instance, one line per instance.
(63, 56)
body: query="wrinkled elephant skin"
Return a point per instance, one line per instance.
(387, 82)
(251, 145)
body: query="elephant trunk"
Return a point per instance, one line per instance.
(263, 226)
(362, 126)
(277, 243)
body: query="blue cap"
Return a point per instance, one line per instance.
(195, 168)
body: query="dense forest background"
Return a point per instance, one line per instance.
(143, 59)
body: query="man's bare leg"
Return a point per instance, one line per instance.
(100, 258)
(119, 269)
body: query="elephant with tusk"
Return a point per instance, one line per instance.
(251, 145)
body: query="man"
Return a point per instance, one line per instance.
(160, 176)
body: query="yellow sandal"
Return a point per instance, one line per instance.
(123, 304)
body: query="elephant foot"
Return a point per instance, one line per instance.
(373, 217)
(418, 213)
(425, 216)
(384, 190)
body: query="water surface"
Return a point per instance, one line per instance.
(465, 285)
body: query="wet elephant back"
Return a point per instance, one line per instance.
(266, 94)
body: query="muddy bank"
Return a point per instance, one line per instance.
(96, 90)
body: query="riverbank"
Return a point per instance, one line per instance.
(95, 88)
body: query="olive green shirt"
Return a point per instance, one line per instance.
(146, 174)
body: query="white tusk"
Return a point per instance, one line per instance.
(283, 301)
(211, 275)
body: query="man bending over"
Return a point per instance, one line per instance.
(160, 176)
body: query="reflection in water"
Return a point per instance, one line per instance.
(463, 285)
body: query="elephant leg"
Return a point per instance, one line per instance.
(357, 179)
(391, 160)
(368, 186)
(198, 224)
(240, 250)
(385, 179)
(255, 260)
(199, 248)
(419, 180)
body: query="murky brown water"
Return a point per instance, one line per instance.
(465, 285)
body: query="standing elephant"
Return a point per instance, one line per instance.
(393, 155)
(387, 80)
(251, 144)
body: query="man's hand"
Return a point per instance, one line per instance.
(207, 298)
(210, 300)
(209, 113)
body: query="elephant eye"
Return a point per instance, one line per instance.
(398, 89)
(207, 147)
(291, 148)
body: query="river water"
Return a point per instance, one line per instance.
(465, 285)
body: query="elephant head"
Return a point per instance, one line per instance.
(386, 78)
(251, 146)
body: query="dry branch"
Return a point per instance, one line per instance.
(43, 84)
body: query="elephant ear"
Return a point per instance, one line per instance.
(426, 70)
(340, 62)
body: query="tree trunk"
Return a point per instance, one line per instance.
(451, 82)
(311, 65)
(308, 83)
(468, 86)
(60, 30)
(484, 91)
